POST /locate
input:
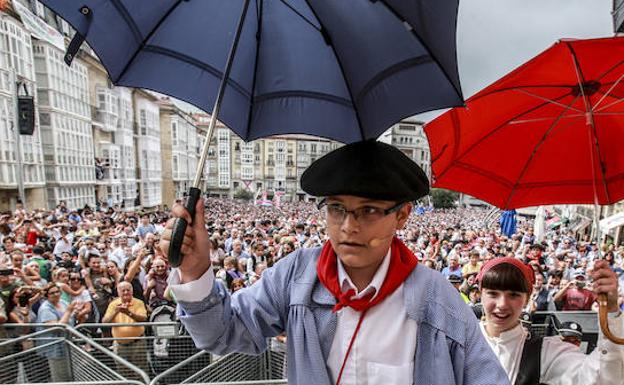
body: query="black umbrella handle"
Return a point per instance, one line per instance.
(175, 255)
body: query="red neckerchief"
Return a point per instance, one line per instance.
(402, 262)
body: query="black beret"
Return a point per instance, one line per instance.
(571, 329)
(367, 169)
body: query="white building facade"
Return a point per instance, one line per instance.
(16, 58)
(65, 121)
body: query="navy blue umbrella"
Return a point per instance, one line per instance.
(344, 70)
(508, 222)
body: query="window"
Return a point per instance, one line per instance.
(407, 127)
(174, 133)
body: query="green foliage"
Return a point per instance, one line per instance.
(444, 199)
(244, 194)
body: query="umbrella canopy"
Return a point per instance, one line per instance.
(344, 70)
(508, 222)
(550, 131)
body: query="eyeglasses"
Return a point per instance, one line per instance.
(74, 279)
(337, 213)
(55, 292)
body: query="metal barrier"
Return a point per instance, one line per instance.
(268, 368)
(56, 354)
(160, 346)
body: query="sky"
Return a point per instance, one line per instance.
(496, 36)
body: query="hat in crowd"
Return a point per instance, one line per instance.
(525, 318)
(367, 169)
(579, 273)
(453, 278)
(570, 329)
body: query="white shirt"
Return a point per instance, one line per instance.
(383, 351)
(563, 363)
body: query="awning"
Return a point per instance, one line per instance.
(581, 225)
(613, 221)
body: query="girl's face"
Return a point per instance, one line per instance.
(112, 269)
(63, 277)
(502, 309)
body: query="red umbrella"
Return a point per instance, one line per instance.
(550, 131)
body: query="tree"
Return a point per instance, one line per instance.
(243, 194)
(443, 199)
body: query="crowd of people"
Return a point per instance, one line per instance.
(105, 264)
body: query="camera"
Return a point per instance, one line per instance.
(69, 265)
(24, 297)
(6, 272)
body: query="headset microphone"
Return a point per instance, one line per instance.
(377, 241)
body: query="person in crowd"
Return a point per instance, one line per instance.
(237, 250)
(541, 298)
(61, 279)
(156, 285)
(126, 309)
(456, 281)
(45, 265)
(363, 288)
(506, 285)
(132, 272)
(32, 272)
(55, 311)
(85, 308)
(86, 251)
(99, 284)
(64, 242)
(237, 284)
(146, 227)
(453, 268)
(8, 282)
(112, 270)
(574, 296)
(473, 266)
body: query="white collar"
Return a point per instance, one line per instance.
(506, 336)
(373, 286)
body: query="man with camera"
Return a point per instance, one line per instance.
(7, 283)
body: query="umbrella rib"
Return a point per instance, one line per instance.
(613, 103)
(121, 9)
(300, 15)
(196, 63)
(608, 92)
(590, 121)
(537, 146)
(143, 42)
(486, 173)
(339, 62)
(435, 60)
(405, 64)
(543, 119)
(547, 100)
(495, 130)
(259, 11)
(306, 94)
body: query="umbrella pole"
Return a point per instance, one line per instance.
(175, 255)
(603, 314)
(603, 303)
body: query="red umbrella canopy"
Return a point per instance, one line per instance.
(551, 131)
